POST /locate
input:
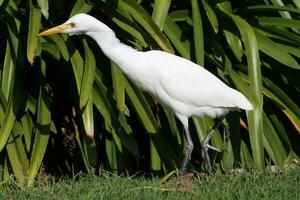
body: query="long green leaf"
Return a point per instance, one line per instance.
(43, 127)
(276, 149)
(198, 33)
(51, 49)
(33, 30)
(8, 75)
(270, 8)
(273, 50)
(88, 118)
(177, 38)
(16, 163)
(7, 123)
(88, 76)
(211, 16)
(280, 22)
(180, 15)
(232, 39)
(27, 127)
(77, 64)
(254, 117)
(142, 108)
(44, 7)
(160, 12)
(61, 45)
(118, 86)
(80, 7)
(142, 17)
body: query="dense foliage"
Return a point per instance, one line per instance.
(63, 102)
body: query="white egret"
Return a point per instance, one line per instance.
(177, 83)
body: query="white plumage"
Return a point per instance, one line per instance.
(183, 86)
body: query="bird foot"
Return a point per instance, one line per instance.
(187, 156)
(214, 148)
(205, 155)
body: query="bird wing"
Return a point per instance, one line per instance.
(186, 82)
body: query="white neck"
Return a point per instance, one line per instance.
(112, 47)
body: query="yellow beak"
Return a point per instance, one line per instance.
(56, 29)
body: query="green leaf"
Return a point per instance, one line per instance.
(8, 74)
(232, 39)
(290, 108)
(142, 108)
(160, 12)
(142, 17)
(273, 50)
(15, 160)
(51, 49)
(44, 7)
(33, 30)
(280, 22)
(273, 144)
(254, 117)
(180, 15)
(111, 154)
(88, 118)
(211, 16)
(297, 3)
(118, 86)
(271, 8)
(27, 126)
(77, 64)
(61, 45)
(246, 158)
(80, 7)
(198, 33)
(228, 156)
(88, 75)
(7, 123)
(177, 38)
(43, 127)
(155, 160)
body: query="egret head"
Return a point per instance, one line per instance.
(77, 25)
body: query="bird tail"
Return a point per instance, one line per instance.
(242, 102)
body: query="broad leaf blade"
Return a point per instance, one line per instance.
(33, 30)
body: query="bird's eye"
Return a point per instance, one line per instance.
(72, 24)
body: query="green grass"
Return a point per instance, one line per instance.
(285, 185)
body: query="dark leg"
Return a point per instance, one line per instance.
(206, 146)
(189, 146)
(188, 150)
